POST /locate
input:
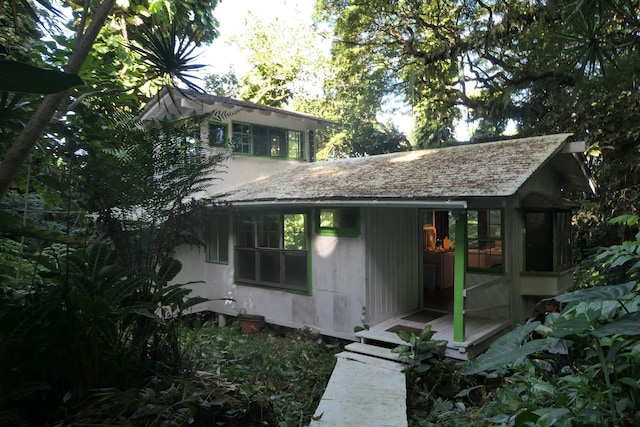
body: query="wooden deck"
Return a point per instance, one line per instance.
(479, 333)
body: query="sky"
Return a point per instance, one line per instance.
(220, 56)
(231, 14)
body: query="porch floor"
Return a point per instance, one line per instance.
(479, 332)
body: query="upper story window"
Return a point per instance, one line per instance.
(218, 134)
(484, 240)
(264, 141)
(181, 142)
(343, 222)
(547, 240)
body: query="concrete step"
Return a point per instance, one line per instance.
(372, 350)
(363, 394)
(371, 361)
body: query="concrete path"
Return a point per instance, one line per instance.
(364, 390)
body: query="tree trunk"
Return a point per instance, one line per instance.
(19, 150)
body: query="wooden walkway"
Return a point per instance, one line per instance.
(367, 388)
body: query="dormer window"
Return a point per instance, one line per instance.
(264, 141)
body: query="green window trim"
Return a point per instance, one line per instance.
(485, 240)
(218, 134)
(267, 141)
(338, 222)
(271, 250)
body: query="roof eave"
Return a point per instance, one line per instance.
(379, 203)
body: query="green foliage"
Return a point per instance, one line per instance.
(510, 350)
(278, 377)
(603, 324)
(17, 77)
(517, 383)
(229, 379)
(429, 377)
(90, 323)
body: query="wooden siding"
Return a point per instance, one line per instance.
(487, 296)
(392, 262)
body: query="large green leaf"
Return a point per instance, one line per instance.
(168, 270)
(19, 77)
(600, 293)
(583, 323)
(628, 324)
(507, 350)
(11, 226)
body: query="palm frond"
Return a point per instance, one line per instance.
(170, 54)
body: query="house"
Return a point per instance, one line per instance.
(466, 238)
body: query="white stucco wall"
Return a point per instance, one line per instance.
(333, 305)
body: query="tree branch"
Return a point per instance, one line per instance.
(19, 150)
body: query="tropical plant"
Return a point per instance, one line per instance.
(429, 376)
(108, 67)
(89, 323)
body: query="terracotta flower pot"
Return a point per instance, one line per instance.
(250, 323)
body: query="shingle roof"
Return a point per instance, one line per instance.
(165, 104)
(489, 169)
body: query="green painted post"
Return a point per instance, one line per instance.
(459, 276)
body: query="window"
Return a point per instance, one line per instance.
(218, 238)
(181, 142)
(344, 222)
(484, 239)
(217, 134)
(266, 141)
(547, 241)
(271, 250)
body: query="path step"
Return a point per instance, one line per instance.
(371, 361)
(363, 394)
(372, 350)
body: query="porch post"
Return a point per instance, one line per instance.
(459, 275)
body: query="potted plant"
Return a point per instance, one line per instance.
(250, 323)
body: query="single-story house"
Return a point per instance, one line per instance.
(466, 238)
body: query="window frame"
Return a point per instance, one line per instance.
(561, 241)
(249, 258)
(182, 139)
(225, 131)
(486, 239)
(247, 141)
(221, 237)
(338, 231)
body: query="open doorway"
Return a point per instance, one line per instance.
(438, 259)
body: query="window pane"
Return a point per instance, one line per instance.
(339, 218)
(245, 236)
(241, 140)
(278, 139)
(261, 143)
(246, 264)
(270, 267)
(218, 238)
(472, 224)
(280, 259)
(295, 235)
(296, 270)
(212, 239)
(223, 238)
(484, 239)
(217, 134)
(269, 231)
(565, 260)
(539, 241)
(294, 144)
